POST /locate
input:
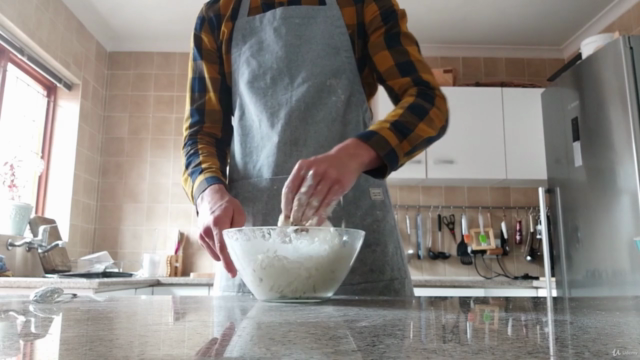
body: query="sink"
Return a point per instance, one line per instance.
(102, 275)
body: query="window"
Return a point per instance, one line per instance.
(26, 117)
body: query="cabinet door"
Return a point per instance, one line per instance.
(473, 147)
(524, 134)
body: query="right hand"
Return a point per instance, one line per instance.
(218, 211)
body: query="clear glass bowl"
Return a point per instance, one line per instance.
(293, 264)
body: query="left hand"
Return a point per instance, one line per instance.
(317, 184)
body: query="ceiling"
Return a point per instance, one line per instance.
(165, 25)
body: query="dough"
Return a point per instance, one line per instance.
(283, 222)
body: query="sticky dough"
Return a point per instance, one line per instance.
(283, 222)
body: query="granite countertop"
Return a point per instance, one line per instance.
(470, 282)
(100, 284)
(345, 328)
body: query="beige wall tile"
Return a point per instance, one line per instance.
(130, 239)
(178, 126)
(536, 68)
(120, 61)
(178, 195)
(97, 99)
(119, 82)
(112, 169)
(433, 62)
(141, 104)
(158, 192)
(111, 192)
(139, 126)
(159, 170)
(137, 148)
(493, 67)
(166, 62)
(118, 104)
(113, 147)
(143, 61)
(182, 63)
(451, 62)
(180, 107)
(115, 125)
(554, 65)
(88, 216)
(136, 170)
(456, 196)
(624, 24)
(524, 197)
(432, 195)
(434, 268)
(106, 239)
(176, 171)
(181, 216)
(477, 196)
(109, 215)
(163, 104)
(636, 16)
(181, 84)
(133, 215)
(161, 148)
(409, 195)
(157, 216)
(499, 196)
(515, 68)
(134, 192)
(162, 125)
(164, 83)
(142, 83)
(472, 68)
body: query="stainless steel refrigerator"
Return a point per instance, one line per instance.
(592, 136)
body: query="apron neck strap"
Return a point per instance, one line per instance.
(246, 4)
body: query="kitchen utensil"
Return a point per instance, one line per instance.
(432, 255)
(477, 245)
(443, 255)
(179, 242)
(50, 295)
(450, 223)
(419, 252)
(462, 249)
(406, 216)
(283, 264)
(504, 236)
(533, 250)
(519, 233)
(465, 230)
(174, 266)
(530, 235)
(150, 265)
(483, 236)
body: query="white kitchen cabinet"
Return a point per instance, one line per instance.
(472, 151)
(145, 291)
(126, 292)
(181, 290)
(381, 105)
(524, 135)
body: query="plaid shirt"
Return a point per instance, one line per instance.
(385, 52)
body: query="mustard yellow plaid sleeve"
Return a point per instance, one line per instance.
(207, 126)
(421, 115)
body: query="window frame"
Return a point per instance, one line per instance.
(8, 57)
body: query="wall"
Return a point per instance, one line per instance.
(627, 24)
(472, 69)
(54, 33)
(441, 198)
(142, 203)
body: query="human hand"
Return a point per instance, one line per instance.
(218, 211)
(316, 184)
(216, 347)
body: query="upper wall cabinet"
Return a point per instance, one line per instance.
(473, 147)
(495, 136)
(524, 134)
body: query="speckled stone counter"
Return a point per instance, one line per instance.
(99, 284)
(241, 328)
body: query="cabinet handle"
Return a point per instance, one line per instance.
(444, 162)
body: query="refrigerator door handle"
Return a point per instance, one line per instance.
(547, 267)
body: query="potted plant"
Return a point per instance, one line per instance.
(18, 169)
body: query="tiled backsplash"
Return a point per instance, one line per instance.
(141, 202)
(472, 69)
(442, 198)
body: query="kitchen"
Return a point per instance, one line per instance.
(121, 123)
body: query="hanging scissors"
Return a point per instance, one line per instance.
(450, 223)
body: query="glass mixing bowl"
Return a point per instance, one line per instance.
(293, 264)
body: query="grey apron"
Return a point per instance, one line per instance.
(296, 94)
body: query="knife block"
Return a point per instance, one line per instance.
(491, 239)
(174, 265)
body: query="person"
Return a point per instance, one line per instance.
(279, 99)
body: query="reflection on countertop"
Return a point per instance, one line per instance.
(344, 328)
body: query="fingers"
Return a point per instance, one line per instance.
(207, 241)
(303, 196)
(313, 208)
(221, 248)
(225, 340)
(327, 205)
(291, 188)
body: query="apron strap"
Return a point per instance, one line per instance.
(245, 4)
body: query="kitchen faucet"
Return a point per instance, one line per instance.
(40, 243)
